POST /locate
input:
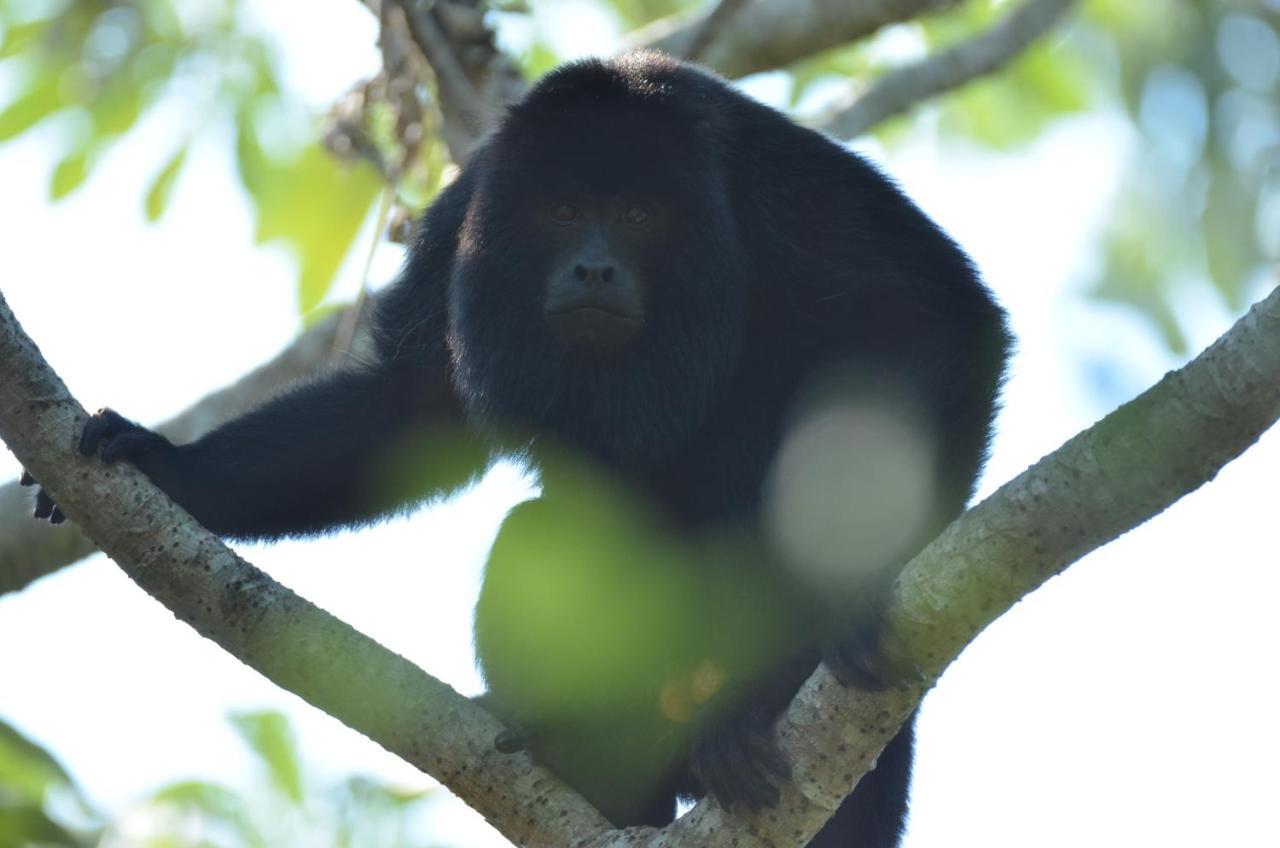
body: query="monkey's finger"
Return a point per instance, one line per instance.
(44, 505)
(56, 517)
(94, 430)
(26, 479)
(508, 742)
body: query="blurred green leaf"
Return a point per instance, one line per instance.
(1136, 276)
(846, 64)
(1054, 75)
(24, 825)
(20, 37)
(117, 105)
(30, 107)
(636, 13)
(270, 737)
(28, 776)
(26, 769)
(539, 59)
(366, 790)
(301, 196)
(70, 173)
(162, 185)
(311, 202)
(215, 803)
(1014, 107)
(1231, 251)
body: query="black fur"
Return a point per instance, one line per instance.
(765, 260)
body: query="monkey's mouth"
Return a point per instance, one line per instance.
(593, 327)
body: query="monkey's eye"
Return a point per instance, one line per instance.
(564, 213)
(636, 216)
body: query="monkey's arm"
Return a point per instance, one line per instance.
(342, 449)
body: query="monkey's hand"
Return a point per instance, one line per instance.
(858, 656)
(736, 760)
(111, 437)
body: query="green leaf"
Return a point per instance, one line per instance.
(26, 769)
(1140, 252)
(214, 802)
(1230, 247)
(28, 825)
(251, 160)
(70, 173)
(1055, 76)
(32, 106)
(539, 59)
(117, 105)
(19, 37)
(369, 791)
(270, 737)
(162, 184)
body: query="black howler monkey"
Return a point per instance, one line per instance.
(650, 269)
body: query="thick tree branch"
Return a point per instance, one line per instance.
(289, 640)
(1110, 478)
(1120, 472)
(31, 549)
(903, 88)
(769, 34)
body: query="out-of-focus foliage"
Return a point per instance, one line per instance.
(1197, 79)
(39, 802)
(40, 805)
(1051, 79)
(1201, 83)
(98, 67)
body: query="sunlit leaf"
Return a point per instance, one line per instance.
(20, 37)
(214, 802)
(636, 13)
(1230, 247)
(311, 202)
(32, 106)
(23, 825)
(539, 59)
(270, 737)
(26, 769)
(71, 172)
(368, 790)
(117, 105)
(1055, 76)
(162, 185)
(1139, 256)
(251, 160)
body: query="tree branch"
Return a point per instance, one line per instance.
(769, 34)
(899, 90)
(31, 549)
(1125, 469)
(1117, 474)
(475, 81)
(709, 29)
(288, 639)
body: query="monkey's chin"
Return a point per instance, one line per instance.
(593, 328)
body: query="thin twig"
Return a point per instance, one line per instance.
(768, 34)
(710, 28)
(902, 89)
(452, 84)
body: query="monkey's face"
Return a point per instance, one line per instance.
(599, 289)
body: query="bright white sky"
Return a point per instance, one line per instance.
(1133, 701)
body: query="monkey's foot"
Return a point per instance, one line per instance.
(736, 760)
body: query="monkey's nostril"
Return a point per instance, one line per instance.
(580, 273)
(607, 274)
